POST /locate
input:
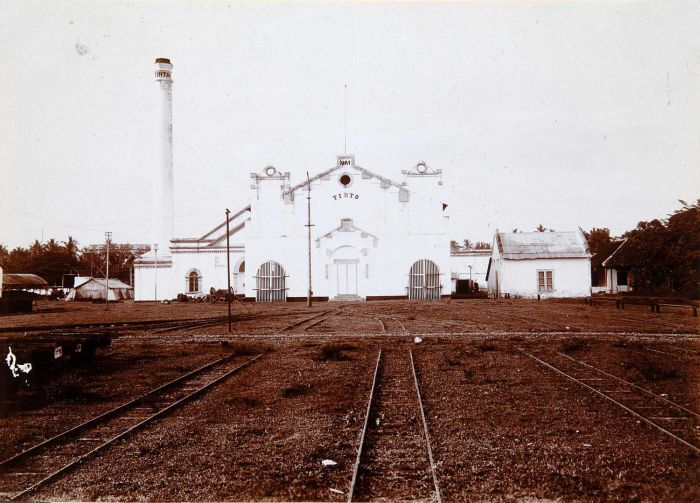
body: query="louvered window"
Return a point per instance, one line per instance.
(544, 281)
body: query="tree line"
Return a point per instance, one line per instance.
(53, 259)
(662, 254)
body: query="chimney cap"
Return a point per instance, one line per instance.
(163, 60)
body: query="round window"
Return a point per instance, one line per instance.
(345, 180)
(421, 167)
(270, 171)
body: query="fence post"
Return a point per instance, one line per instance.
(695, 311)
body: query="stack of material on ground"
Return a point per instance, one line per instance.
(96, 289)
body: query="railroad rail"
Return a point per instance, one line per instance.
(311, 321)
(668, 417)
(388, 462)
(31, 469)
(111, 325)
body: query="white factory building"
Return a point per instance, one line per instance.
(372, 237)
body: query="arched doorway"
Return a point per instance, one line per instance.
(424, 281)
(270, 283)
(239, 275)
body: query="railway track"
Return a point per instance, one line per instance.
(306, 323)
(24, 473)
(675, 420)
(394, 457)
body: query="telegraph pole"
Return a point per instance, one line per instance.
(228, 270)
(108, 240)
(308, 227)
(155, 283)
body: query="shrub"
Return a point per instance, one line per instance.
(652, 370)
(296, 390)
(572, 345)
(334, 352)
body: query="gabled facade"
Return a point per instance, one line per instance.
(371, 238)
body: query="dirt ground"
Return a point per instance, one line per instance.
(503, 427)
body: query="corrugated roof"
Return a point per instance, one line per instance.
(13, 280)
(535, 245)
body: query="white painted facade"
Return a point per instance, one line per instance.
(367, 233)
(517, 275)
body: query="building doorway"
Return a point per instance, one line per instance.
(344, 279)
(270, 282)
(424, 281)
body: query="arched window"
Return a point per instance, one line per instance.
(424, 281)
(270, 283)
(241, 268)
(194, 281)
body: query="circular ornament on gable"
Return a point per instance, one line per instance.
(270, 171)
(345, 180)
(421, 167)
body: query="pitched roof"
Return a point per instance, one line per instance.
(13, 280)
(113, 283)
(386, 182)
(605, 253)
(621, 257)
(535, 245)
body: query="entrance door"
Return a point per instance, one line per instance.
(346, 275)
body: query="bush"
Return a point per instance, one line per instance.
(296, 390)
(334, 352)
(486, 346)
(652, 370)
(572, 345)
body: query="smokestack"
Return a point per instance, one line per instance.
(164, 225)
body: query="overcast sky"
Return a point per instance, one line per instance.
(564, 113)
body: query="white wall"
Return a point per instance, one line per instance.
(387, 235)
(146, 280)
(571, 277)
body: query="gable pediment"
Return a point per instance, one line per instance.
(347, 226)
(347, 163)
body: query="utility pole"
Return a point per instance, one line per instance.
(108, 240)
(308, 227)
(228, 270)
(155, 283)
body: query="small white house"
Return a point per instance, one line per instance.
(539, 264)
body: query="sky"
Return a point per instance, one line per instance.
(560, 113)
